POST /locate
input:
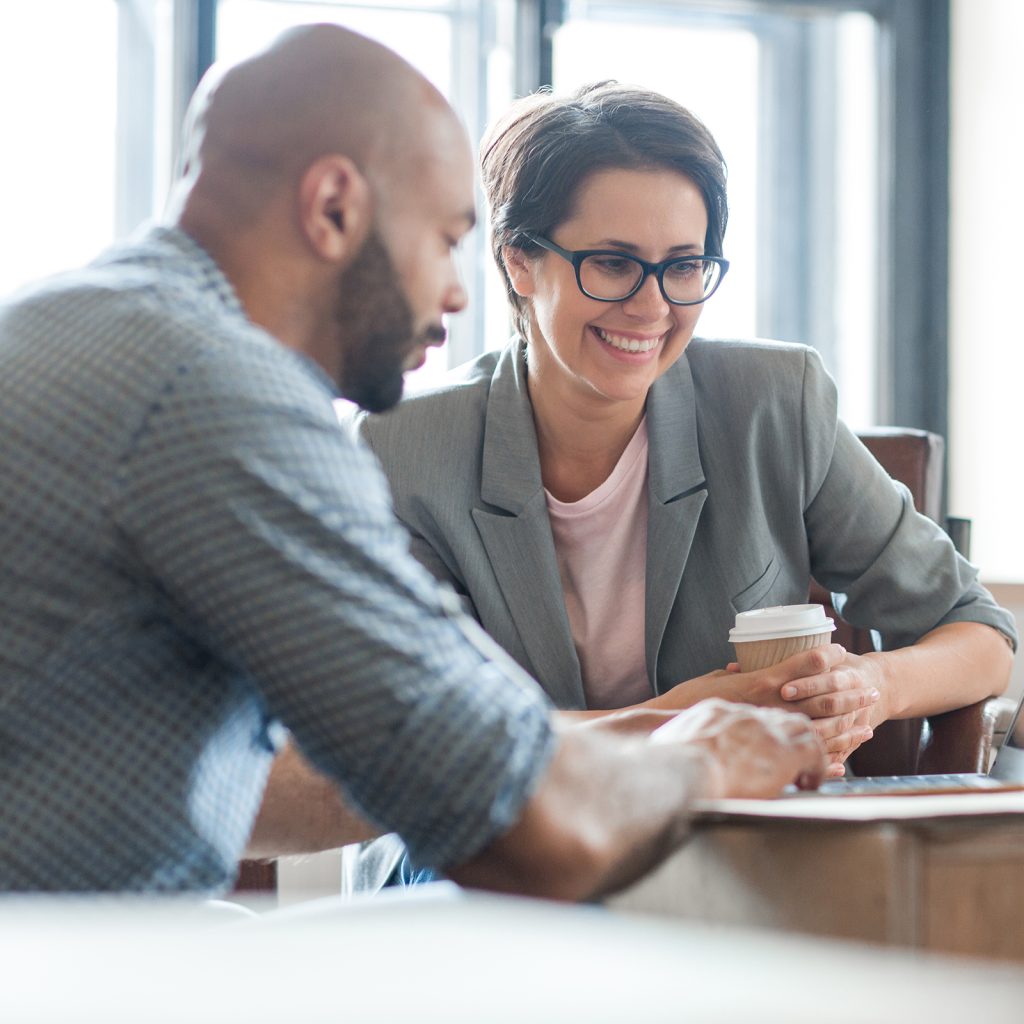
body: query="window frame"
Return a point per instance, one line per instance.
(913, 89)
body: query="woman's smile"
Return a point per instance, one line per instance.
(630, 343)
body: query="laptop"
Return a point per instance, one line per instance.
(1006, 773)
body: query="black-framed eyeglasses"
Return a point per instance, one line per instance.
(608, 275)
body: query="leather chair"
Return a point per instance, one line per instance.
(256, 876)
(956, 741)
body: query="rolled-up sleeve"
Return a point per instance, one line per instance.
(271, 529)
(886, 564)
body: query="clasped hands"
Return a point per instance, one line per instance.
(840, 692)
(794, 722)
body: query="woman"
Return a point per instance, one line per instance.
(607, 492)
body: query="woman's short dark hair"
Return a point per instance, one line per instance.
(535, 159)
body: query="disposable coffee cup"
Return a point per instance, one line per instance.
(767, 636)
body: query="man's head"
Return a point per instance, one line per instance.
(331, 182)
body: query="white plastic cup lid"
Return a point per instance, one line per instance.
(784, 620)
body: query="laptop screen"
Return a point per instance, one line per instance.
(1009, 762)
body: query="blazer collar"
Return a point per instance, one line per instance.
(511, 464)
(517, 538)
(674, 464)
(676, 491)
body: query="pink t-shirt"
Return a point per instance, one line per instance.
(601, 546)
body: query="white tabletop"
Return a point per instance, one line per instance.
(479, 959)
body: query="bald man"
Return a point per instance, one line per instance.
(194, 557)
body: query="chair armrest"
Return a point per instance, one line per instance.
(256, 876)
(955, 741)
(961, 740)
(895, 749)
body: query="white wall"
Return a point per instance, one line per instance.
(987, 282)
(986, 442)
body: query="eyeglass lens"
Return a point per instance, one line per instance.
(606, 276)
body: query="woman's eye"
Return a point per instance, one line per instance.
(612, 264)
(685, 271)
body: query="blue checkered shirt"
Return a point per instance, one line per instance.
(191, 552)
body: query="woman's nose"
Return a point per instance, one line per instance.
(647, 301)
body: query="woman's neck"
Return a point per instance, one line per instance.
(579, 439)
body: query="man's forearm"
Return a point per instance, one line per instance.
(610, 806)
(302, 812)
(608, 809)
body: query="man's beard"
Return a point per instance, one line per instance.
(376, 326)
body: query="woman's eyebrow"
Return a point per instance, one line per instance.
(616, 243)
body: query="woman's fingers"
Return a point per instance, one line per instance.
(799, 672)
(837, 702)
(848, 741)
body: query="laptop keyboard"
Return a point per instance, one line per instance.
(880, 784)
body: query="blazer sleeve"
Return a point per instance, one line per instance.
(888, 567)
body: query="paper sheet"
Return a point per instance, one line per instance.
(865, 808)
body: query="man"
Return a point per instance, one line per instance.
(192, 552)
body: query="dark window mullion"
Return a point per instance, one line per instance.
(195, 49)
(537, 21)
(917, 34)
(206, 36)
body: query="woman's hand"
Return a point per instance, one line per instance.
(827, 684)
(823, 690)
(818, 696)
(840, 692)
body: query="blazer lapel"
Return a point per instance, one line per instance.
(676, 492)
(516, 533)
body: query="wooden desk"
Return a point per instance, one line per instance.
(935, 873)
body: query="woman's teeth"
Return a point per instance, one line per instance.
(627, 344)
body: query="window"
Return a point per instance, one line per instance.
(58, 200)
(91, 107)
(796, 116)
(102, 152)
(832, 114)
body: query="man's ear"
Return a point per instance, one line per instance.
(335, 207)
(519, 268)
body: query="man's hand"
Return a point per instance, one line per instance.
(749, 752)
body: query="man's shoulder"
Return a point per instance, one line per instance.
(125, 293)
(145, 322)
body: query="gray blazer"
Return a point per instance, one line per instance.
(754, 486)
